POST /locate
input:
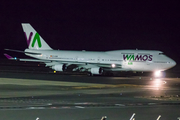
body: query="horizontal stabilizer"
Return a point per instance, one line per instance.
(20, 59)
(22, 52)
(8, 56)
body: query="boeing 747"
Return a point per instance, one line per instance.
(91, 61)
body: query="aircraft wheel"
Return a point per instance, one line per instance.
(89, 74)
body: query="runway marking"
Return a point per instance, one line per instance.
(79, 107)
(120, 105)
(151, 103)
(84, 103)
(65, 107)
(35, 108)
(29, 82)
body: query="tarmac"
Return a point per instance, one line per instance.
(48, 96)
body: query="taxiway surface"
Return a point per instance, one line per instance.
(74, 97)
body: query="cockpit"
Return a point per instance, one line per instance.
(161, 54)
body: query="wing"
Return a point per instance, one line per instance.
(79, 65)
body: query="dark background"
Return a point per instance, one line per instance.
(93, 25)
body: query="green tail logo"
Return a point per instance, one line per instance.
(36, 38)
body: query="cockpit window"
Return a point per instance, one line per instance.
(161, 53)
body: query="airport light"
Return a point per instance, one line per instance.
(164, 82)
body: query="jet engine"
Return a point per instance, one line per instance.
(97, 70)
(60, 67)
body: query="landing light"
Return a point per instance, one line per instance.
(113, 65)
(158, 74)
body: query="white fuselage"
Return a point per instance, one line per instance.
(123, 60)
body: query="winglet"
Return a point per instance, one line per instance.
(8, 56)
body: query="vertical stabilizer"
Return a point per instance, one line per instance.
(34, 40)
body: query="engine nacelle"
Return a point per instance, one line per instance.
(97, 70)
(60, 67)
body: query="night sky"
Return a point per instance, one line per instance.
(94, 25)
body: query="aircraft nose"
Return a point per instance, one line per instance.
(173, 63)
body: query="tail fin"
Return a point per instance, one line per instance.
(34, 40)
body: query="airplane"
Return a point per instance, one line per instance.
(93, 62)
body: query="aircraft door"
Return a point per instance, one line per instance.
(98, 60)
